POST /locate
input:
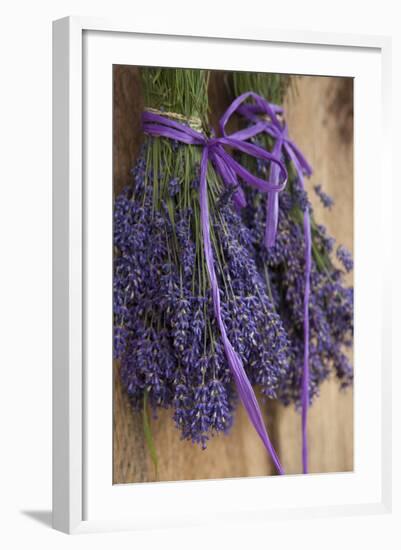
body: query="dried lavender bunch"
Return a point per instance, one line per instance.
(165, 333)
(283, 267)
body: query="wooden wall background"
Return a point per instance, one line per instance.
(319, 111)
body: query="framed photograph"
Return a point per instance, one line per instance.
(219, 328)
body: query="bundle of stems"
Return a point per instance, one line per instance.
(271, 86)
(166, 335)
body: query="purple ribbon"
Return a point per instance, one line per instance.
(229, 170)
(283, 145)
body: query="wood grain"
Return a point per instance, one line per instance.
(320, 121)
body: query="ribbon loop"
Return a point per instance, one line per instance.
(271, 125)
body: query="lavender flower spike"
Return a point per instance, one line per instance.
(345, 258)
(325, 199)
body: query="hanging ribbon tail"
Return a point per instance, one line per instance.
(244, 387)
(302, 168)
(248, 398)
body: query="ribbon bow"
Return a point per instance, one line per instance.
(229, 170)
(265, 118)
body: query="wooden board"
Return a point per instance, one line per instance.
(319, 115)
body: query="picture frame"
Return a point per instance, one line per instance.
(84, 499)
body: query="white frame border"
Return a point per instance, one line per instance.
(68, 373)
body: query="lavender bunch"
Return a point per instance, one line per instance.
(282, 267)
(165, 333)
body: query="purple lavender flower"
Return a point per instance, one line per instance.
(120, 341)
(325, 199)
(187, 246)
(220, 407)
(345, 258)
(183, 404)
(301, 196)
(173, 187)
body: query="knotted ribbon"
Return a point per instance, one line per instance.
(265, 118)
(213, 150)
